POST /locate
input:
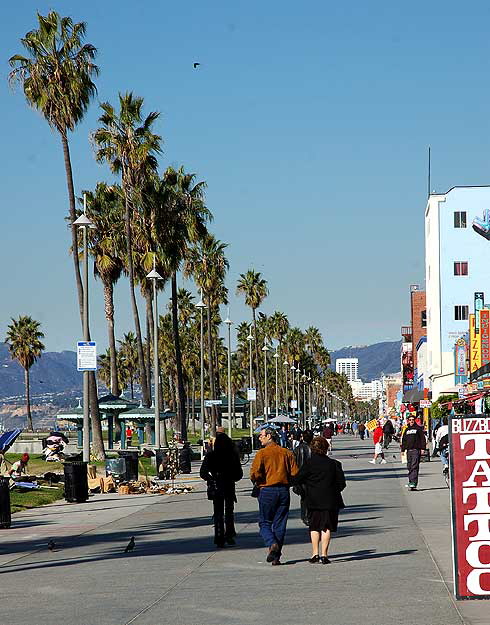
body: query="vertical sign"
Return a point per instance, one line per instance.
(475, 351)
(460, 362)
(485, 335)
(479, 304)
(469, 445)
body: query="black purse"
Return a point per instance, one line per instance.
(212, 489)
(255, 491)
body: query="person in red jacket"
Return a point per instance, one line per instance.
(378, 444)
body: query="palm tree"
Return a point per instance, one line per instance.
(56, 76)
(126, 142)
(254, 288)
(279, 325)
(25, 346)
(128, 353)
(105, 210)
(207, 263)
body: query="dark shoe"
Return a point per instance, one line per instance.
(276, 562)
(274, 553)
(220, 545)
(314, 559)
(325, 560)
(231, 542)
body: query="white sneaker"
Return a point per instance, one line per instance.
(383, 461)
(372, 462)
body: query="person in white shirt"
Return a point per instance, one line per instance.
(442, 441)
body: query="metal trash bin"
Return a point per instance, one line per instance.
(76, 482)
(5, 514)
(131, 458)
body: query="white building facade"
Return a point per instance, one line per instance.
(349, 367)
(457, 264)
(366, 391)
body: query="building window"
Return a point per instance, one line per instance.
(423, 319)
(460, 219)
(461, 313)
(460, 268)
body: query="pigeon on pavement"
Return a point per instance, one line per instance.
(51, 545)
(130, 545)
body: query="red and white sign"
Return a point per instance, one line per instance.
(469, 442)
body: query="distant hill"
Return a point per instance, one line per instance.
(54, 372)
(373, 359)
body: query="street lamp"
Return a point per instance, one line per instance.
(293, 369)
(303, 377)
(298, 393)
(154, 276)
(286, 365)
(229, 323)
(84, 222)
(276, 356)
(265, 349)
(201, 305)
(250, 338)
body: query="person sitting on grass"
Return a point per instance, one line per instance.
(19, 468)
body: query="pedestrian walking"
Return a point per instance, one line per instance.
(362, 430)
(413, 441)
(284, 436)
(221, 468)
(388, 431)
(378, 445)
(442, 442)
(328, 434)
(355, 429)
(302, 454)
(272, 470)
(324, 480)
(295, 436)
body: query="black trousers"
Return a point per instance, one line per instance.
(413, 464)
(224, 519)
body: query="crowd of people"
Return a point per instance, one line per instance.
(301, 460)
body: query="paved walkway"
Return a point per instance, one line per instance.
(390, 560)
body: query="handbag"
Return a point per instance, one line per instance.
(255, 491)
(212, 489)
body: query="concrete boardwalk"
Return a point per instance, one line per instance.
(390, 560)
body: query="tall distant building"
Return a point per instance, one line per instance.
(348, 366)
(457, 265)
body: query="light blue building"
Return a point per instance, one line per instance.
(457, 264)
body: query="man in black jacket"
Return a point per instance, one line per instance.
(302, 454)
(413, 441)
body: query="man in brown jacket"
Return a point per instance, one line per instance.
(272, 470)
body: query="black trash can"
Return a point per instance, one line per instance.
(131, 458)
(5, 515)
(247, 444)
(76, 482)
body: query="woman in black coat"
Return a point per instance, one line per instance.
(323, 480)
(221, 468)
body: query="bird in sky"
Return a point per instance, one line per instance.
(130, 545)
(196, 65)
(51, 545)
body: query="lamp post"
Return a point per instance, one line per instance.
(293, 369)
(309, 399)
(154, 276)
(265, 349)
(286, 402)
(303, 377)
(229, 323)
(298, 392)
(250, 338)
(84, 222)
(201, 305)
(276, 357)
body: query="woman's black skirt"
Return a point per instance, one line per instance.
(321, 520)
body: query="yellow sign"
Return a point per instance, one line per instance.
(372, 425)
(475, 347)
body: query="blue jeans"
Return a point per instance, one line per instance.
(273, 513)
(444, 458)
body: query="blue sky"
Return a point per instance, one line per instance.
(310, 123)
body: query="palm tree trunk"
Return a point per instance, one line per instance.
(109, 315)
(149, 335)
(28, 400)
(257, 367)
(178, 362)
(98, 443)
(193, 406)
(139, 339)
(212, 389)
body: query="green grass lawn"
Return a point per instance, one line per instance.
(20, 501)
